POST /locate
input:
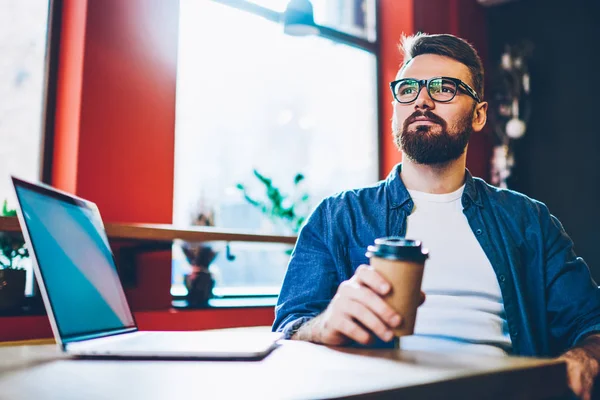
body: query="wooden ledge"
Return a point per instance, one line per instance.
(168, 233)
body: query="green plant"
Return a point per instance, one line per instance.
(12, 246)
(291, 210)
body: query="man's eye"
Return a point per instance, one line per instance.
(407, 90)
(448, 89)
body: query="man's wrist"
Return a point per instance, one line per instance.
(591, 345)
(308, 331)
(579, 354)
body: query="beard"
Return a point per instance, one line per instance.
(433, 144)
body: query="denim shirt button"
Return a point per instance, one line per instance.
(514, 334)
(502, 278)
(478, 232)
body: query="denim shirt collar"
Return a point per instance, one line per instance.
(399, 197)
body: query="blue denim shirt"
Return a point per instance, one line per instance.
(550, 298)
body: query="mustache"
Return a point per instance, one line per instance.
(427, 114)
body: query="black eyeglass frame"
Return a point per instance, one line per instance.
(427, 82)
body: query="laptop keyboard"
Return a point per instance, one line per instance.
(148, 341)
(184, 343)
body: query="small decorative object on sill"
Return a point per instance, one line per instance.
(199, 282)
(510, 108)
(12, 277)
(285, 212)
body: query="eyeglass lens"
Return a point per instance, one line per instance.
(440, 89)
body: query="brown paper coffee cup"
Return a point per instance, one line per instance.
(405, 278)
(401, 262)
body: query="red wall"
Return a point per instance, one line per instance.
(127, 127)
(115, 131)
(68, 95)
(25, 328)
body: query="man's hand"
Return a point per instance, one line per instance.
(582, 369)
(356, 312)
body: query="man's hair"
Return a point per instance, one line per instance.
(445, 45)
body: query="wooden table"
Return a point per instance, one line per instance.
(295, 370)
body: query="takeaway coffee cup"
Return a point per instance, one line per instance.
(401, 262)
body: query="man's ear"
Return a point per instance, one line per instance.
(480, 116)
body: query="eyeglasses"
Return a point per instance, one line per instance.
(441, 89)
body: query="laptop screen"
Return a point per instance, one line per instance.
(75, 261)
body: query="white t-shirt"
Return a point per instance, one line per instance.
(464, 310)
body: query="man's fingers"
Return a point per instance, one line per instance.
(375, 304)
(575, 378)
(366, 275)
(353, 331)
(369, 320)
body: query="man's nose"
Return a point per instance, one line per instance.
(424, 101)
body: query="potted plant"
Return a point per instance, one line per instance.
(199, 282)
(281, 209)
(12, 277)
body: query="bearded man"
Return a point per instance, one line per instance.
(502, 277)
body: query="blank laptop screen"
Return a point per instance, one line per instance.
(76, 264)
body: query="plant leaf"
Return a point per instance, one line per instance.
(6, 212)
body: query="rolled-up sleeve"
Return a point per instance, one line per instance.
(311, 278)
(573, 298)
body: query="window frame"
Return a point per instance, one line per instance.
(53, 36)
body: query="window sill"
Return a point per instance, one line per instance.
(31, 309)
(230, 302)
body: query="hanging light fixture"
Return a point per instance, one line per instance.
(298, 19)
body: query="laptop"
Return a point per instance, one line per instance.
(84, 297)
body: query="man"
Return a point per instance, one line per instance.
(502, 277)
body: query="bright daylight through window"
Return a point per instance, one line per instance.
(250, 98)
(23, 27)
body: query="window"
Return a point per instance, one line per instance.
(23, 27)
(250, 97)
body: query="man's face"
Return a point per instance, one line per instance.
(430, 132)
